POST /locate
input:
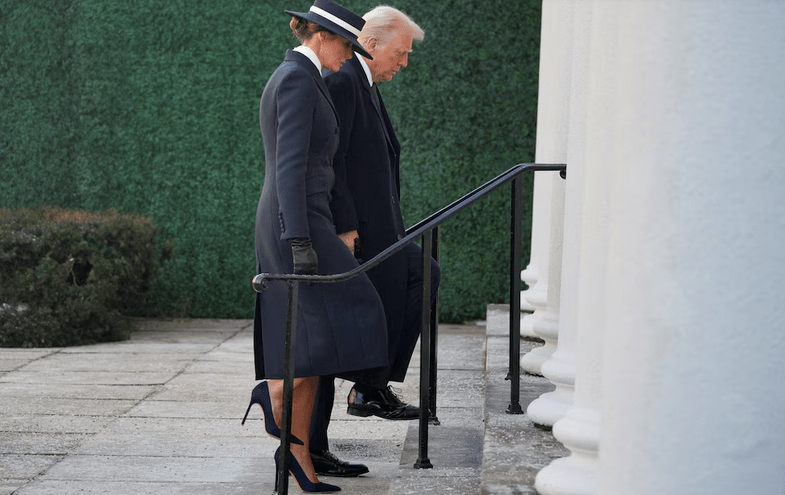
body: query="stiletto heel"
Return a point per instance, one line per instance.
(302, 480)
(261, 395)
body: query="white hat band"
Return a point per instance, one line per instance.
(335, 20)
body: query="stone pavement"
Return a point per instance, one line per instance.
(160, 414)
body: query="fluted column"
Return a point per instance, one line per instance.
(552, 128)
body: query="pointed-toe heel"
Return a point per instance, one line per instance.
(261, 395)
(302, 480)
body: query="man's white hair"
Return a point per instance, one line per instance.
(384, 22)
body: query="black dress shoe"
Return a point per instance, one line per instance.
(326, 464)
(383, 403)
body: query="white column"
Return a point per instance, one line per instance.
(560, 366)
(584, 273)
(693, 352)
(552, 127)
(536, 273)
(545, 322)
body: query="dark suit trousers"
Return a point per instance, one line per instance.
(400, 344)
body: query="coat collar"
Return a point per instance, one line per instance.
(304, 62)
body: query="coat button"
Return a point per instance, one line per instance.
(400, 237)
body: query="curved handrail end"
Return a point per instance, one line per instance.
(260, 282)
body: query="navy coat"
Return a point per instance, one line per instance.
(367, 195)
(340, 327)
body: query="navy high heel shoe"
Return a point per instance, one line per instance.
(261, 395)
(303, 482)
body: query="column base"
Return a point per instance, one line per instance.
(576, 474)
(549, 408)
(532, 361)
(525, 304)
(566, 476)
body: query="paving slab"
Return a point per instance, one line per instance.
(9, 486)
(160, 414)
(437, 481)
(66, 407)
(146, 347)
(187, 325)
(26, 466)
(209, 387)
(24, 390)
(13, 359)
(15, 442)
(83, 487)
(107, 361)
(157, 469)
(172, 409)
(87, 377)
(190, 337)
(51, 424)
(221, 365)
(165, 444)
(460, 388)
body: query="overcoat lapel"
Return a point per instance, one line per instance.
(377, 102)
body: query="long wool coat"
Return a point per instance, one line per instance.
(340, 327)
(367, 196)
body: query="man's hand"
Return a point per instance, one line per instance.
(349, 239)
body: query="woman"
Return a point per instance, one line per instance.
(340, 327)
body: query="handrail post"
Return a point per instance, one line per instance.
(288, 388)
(516, 207)
(425, 352)
(434, 333)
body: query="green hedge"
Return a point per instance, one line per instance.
(67, 277)
(152, 107)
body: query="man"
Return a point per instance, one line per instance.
(367, 215)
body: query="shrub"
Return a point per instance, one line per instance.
(71, 277)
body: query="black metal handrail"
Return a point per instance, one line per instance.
(428, 231)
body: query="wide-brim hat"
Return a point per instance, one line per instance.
(336, 19)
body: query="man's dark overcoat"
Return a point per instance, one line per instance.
(340, 327)
(366, 198)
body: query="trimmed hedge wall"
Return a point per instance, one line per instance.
(152, 107)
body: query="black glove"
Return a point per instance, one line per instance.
(305, 260)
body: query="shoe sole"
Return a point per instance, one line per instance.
(341, 475)
(355, 411)
(364, 413)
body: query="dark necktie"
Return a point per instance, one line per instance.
(375, 95)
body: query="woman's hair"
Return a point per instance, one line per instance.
(303, 29)
(384, 22)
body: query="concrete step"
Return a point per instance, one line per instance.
(455, 445)
(514, 448)
(478, 448)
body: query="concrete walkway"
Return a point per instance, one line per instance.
(160, 414)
